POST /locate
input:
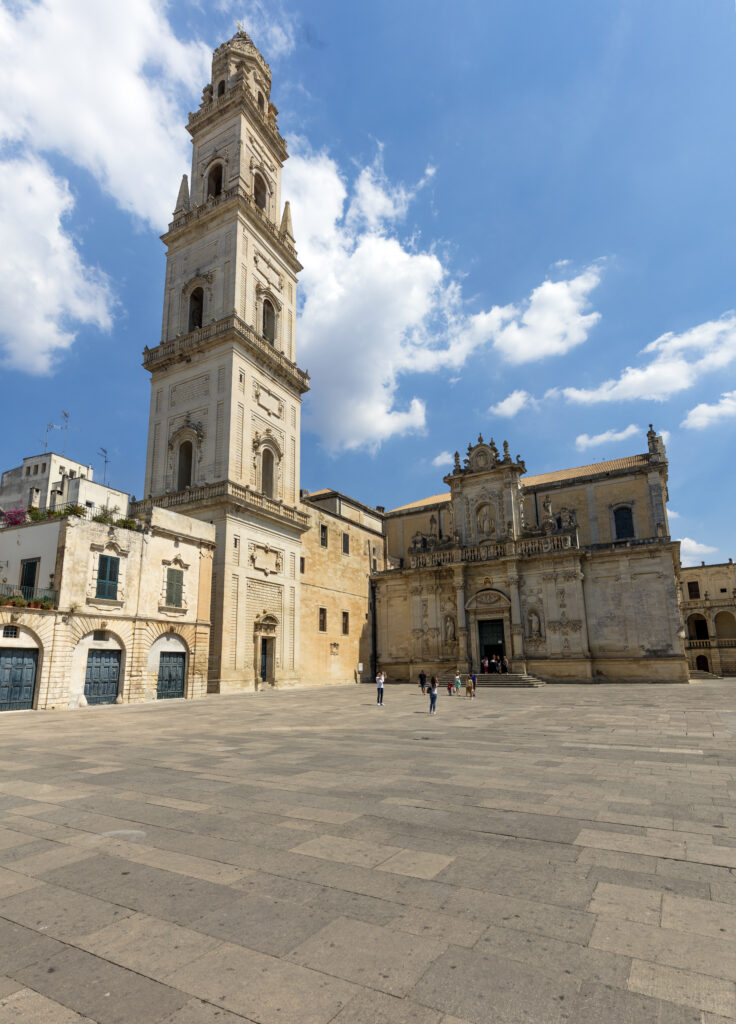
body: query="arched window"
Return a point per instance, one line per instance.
(184, 476)
(697, 627)
(269, 321)
(261, 102)
(196, 306)
(259, 192)
(623, 519)
(267, 473)
(725, 625)
(214, 181)
(221, 88)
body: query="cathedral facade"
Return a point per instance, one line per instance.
(571, 575)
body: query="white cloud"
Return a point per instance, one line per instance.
(102, 86)
(583, 441)
(376, 309)
(45, 288)
(677, 362)
(672, 514)
(443, 459)
(551, 322)
(272, 27)
(705, 415)
(692, 552)
(513, 403)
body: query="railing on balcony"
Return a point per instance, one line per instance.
(714, 641)
(226, 488)
(180, 347)
(485, 552)
(28, 594)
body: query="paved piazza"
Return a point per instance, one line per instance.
(566, 854)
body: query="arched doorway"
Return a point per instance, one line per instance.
(167, 658)
(19, 658)
(697, 627)
(701, 663)
(489, 626)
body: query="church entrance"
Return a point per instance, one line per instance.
(490, 638)
(266, 672)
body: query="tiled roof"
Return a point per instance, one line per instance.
(559, 475)
(594, 469)
(435, 499)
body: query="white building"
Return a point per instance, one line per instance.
(52, 481)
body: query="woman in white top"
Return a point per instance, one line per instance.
(380, 677)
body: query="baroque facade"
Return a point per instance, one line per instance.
(571, 574)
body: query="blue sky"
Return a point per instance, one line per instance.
(514, 218)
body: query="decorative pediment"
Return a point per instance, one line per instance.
(488, 600)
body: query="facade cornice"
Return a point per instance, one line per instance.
(230, 495)
(233, 329)
(238, 198)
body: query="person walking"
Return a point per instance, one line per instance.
(469, 686)
(457, 682)
(423, 680)
(450, 687)
(484, 666)
(504, 664)
(380, 679)
(475, 683)
(432, 695)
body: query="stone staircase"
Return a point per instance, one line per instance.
(697, 673)
(498, 679)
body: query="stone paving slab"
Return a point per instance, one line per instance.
(565, 854)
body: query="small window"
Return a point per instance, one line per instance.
(323, 620)
(346, 543)
(221, 88)
(107, 578)
(261, 102)
(323, 534)
(269, 321)
(174, 587)
(345, 623)
(259, 192)
(196, 309)
(693, 591)
(236, 541)
(99, 636)
(723, 590)
(35, 470)
(302, 563)
(43, 467)
(374, 561)
(624, 522)
(89, 504)
(28, 470)
(10, 632)
(214, 181)
(241, 377)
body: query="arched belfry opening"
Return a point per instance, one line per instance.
(261, 103)
(214, 181)
(269, 321)
(221, 88)
(196, 308)
(259, 192)
(184, 468)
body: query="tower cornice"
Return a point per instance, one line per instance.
(238, 197)
(233, 329)
(239, 95)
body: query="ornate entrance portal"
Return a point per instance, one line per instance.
(265, 637)
(491, 638)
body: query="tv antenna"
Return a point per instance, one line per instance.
(49, 426)
(66, 428)
(103, 453)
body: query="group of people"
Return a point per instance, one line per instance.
(488, 665)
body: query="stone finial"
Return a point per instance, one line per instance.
(457, 462)
(182, 200)
(480, 439)
(286, 228)
(655, 443)
(506, 453)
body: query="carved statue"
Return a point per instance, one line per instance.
(485, 520)
(534, 625)
(547, 506)
(449, 628)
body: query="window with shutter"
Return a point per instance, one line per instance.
(174, 587)
(107, 577)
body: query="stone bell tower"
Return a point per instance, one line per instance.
(224, 424)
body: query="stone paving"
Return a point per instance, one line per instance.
(565, 854)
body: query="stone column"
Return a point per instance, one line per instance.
(517, 631)
(458, 583)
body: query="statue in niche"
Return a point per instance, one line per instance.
(535, 626)
(547, 506)
(485, 520)
(449, 628)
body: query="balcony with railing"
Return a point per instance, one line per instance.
(24, 596)
(179, 348)
(226, 489)
(713, 641)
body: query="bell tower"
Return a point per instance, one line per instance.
(224, 422)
